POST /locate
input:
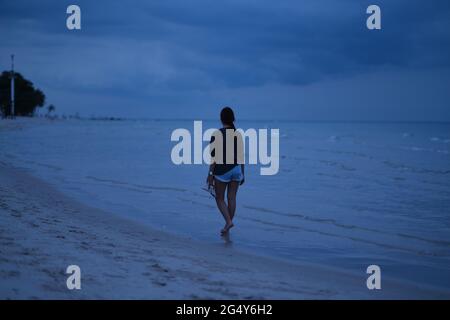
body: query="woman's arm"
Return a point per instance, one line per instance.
(210, 178)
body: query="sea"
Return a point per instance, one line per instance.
(347, 194)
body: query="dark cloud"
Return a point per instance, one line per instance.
(158, 49)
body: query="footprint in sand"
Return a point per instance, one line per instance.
(159, 268)
(160, 283)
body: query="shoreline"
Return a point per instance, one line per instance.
(42, 231)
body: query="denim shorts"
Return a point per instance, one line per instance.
(234, 174)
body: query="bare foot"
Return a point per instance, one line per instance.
(227, 227)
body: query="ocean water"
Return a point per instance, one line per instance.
(347, 195)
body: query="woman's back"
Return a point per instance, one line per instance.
(220, 158)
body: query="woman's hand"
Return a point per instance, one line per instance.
(210, 180)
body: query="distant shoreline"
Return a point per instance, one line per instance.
(271, 120)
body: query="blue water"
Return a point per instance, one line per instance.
(347, 194)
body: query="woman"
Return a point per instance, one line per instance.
(227, 176)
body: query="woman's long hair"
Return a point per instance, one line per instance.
(227, 117)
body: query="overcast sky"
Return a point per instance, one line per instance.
(288, 59)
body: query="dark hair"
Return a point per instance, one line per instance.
(227, 117)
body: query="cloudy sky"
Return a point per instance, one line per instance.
(288, 59)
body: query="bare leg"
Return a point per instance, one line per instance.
(231, 197)
(220, 193)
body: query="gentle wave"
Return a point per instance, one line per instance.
(347, 226)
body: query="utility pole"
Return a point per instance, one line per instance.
(12, 86)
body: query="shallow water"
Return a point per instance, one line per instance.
(347, 194)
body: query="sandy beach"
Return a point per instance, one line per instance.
(42, 232)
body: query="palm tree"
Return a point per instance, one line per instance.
(51, 108)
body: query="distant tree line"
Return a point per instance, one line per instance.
(27, 98)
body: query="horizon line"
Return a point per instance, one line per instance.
(118, 118)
